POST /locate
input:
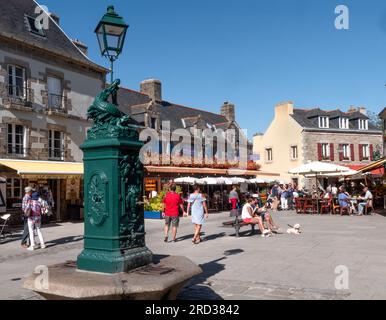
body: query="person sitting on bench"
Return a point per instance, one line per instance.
(250, 217)
(261, 211)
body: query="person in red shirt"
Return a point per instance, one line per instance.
(171, 202)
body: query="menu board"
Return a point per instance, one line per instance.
(73, 189)
(150, 185)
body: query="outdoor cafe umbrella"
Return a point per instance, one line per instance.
(237, 180)
(208, 181)
(225, 181)
(318, 169)
(258, 181)
(187, 180)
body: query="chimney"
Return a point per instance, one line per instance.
(152, 88)
(81, 46)
(55, 17)
(352, 109)
(228, 111)
(284, 109)
(363, 110)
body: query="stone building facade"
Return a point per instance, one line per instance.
(46, 85)
(297, 136)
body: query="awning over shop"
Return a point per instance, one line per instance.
(376, 168)
(42, 169)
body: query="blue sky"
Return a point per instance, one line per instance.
(253, 53)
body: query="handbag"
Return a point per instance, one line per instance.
(28, 212)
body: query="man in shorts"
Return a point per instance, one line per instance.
(171, 203)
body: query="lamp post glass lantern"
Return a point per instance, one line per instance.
(111, 33)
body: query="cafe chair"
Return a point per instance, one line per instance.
(3, 224)
(369, 205)
(335, 207)
(344, 209)
(298, 205)
(326, 206)
(309, 204)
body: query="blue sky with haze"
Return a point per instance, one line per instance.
(253, 53)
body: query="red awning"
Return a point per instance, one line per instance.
(379, 171)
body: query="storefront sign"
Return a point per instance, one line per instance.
(73, 189)
(150, 185)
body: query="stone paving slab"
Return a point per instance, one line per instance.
(282, 267)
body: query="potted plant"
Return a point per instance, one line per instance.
(153, 207)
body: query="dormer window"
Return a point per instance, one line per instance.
(324, 122)
(344, 123)
(363, 124)
(34, 27)
(153, 123)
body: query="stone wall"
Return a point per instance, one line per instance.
(311, 140)
(80, 86)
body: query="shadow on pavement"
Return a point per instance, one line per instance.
(199, 288)
(65, 240)
(214, 236)
(10, 238)
(186, 237)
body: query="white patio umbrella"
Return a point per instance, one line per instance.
(336, 174)
(209, 181)
(186, 180)
(317, 169)
(270, 181)
(258, 181)
(223, 180)
(237, 180)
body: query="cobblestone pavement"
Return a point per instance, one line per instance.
(250, 267)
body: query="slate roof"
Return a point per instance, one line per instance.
(13, 25)
(309, 118)
(136, 103)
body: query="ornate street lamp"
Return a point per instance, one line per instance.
(111, 33)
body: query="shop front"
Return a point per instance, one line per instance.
(59, 183)
(158, 177)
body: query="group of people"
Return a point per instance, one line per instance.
(33, 208)
(347, 202)
(253, 211)
(282, 196)
(197, 209)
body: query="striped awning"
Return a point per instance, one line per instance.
(376, 167)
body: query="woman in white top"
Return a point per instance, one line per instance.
(248, 216)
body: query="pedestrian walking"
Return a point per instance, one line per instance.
(198, 205)
(234, 198)
(27, 197)
(171, 203)
(34, 213)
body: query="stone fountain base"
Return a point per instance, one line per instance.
(161, 280)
